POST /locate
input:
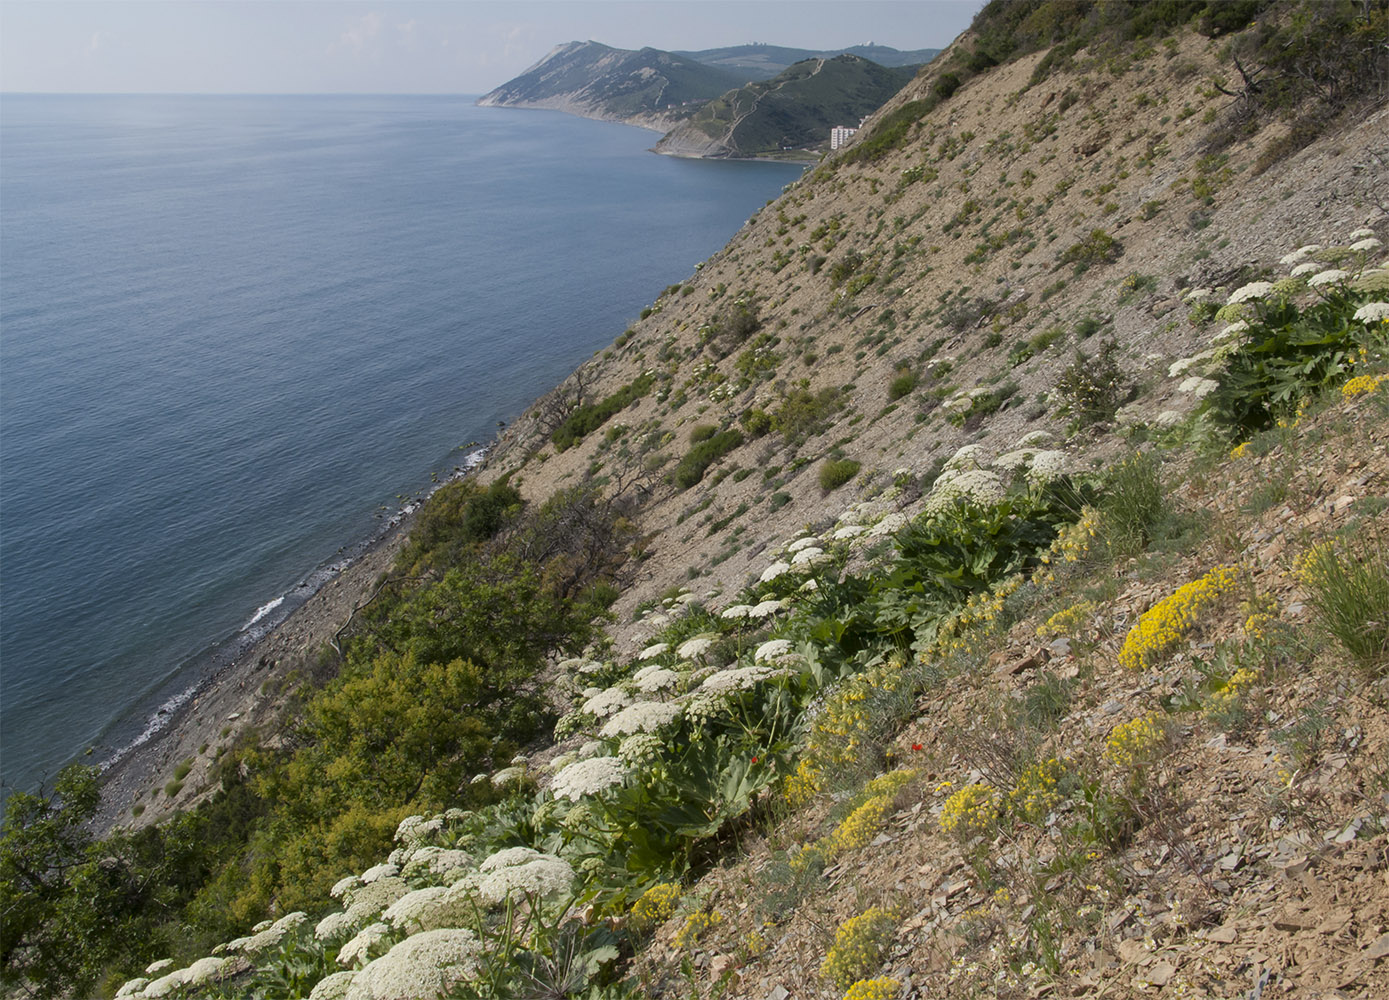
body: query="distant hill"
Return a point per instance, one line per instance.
(794, 109)
(762, 62)
(647, 87)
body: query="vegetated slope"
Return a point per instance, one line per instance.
(930, 473)
(761, 62)
(793, 110)
(648, 87)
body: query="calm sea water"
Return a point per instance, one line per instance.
(234, 330)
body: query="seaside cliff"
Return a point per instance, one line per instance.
(970, 581)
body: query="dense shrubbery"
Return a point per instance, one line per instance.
(707, 451)
(589, 417)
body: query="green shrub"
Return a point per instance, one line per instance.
(778, 500)
(756, 422)
(1097, 248)
(589, 417)
(1348, 588)
(182, 769)
(690, 469)
(1133, 504)
(902, 385)
(702, 432)
(834, 473)
(1092, 388)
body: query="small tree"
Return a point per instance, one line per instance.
(1091, 388)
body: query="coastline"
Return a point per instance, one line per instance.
(243, 695)
(248, 692)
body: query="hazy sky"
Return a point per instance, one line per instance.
(405, 46)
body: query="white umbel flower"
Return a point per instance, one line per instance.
(333, 987)
(334, 926)
(653, 651)
(802, 543)
(379, 871)
(735, 611)
(739, 679)
(649, 680)
(773, 571)
(1046, 466)
(507, 857)
(848, 531)
(766, 608)
(1303, 270)
(1328, 277)
(606, 703)
(1198, 387)
(426, 910)
(1366, 245)
(1373, 312)
(1362, 233)
(545, 875)
(1301, 254)
(698, 646)
(772, 649)
(891, 524)
(357, 952)
(424, 967)
(586, 777)
(807, 557)
(643, 717)
(1251, 291)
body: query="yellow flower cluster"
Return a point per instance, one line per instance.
(752, 945)
(858, 947)
(655, 905)
(1165, 624)
(1068, 621)
(1037, 791)
(972, 621)
(1240, 450)
(971, 810)
(1362, 385)
(1133, 744)
(803, 783)
(695, 925)
(863, 824)
(843, 725)
(1224, 698)
(1072, 543)
(882, 988)
(1312, 566)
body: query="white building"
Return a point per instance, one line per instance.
(840, 134)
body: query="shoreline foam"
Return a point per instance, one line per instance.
(249, 687)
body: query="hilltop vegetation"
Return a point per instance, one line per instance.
(793, 110)
(970, 582)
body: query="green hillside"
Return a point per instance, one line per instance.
(794, 109)
(600, 81)
(761, 62)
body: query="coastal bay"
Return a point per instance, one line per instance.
(241, 332)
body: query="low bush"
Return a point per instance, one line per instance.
(588, 418)
(705, 453)
(834, 473)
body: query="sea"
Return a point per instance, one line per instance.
(239, 334)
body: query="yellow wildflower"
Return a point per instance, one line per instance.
(882, 988)
(1037, 791)
(1134, 744)
(1362, 385)
(1166, 623)
(656, 905)
(858, 947)
(970, 811)
(695, 925)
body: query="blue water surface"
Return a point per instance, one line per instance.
(233, 329)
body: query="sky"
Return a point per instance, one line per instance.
(405, 46)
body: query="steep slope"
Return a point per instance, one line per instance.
(793, 110)
(649, 87)
(955, 651)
